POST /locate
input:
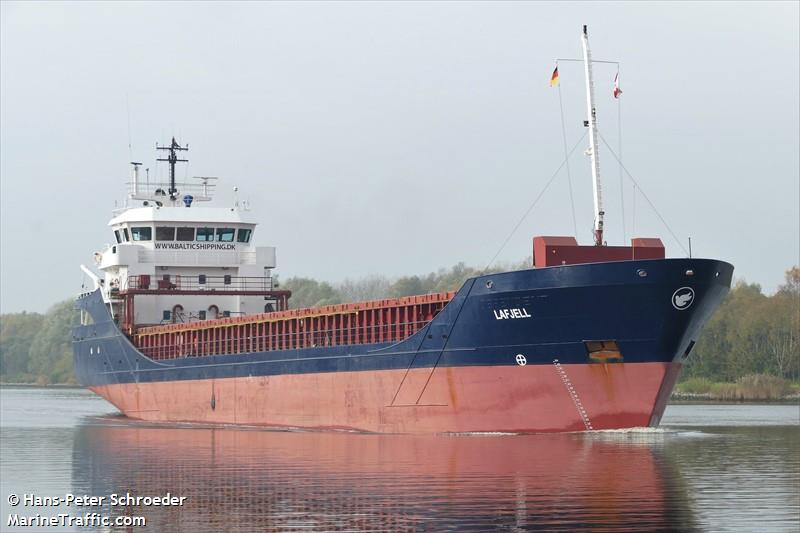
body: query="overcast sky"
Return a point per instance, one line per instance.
(398, 138)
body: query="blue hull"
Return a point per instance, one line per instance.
(630, 302)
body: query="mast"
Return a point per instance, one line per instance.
(172, 159)
(192, 192)
(592, 151)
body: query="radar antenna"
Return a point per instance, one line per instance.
(172, 159)
(206, 185)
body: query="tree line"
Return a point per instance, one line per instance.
(751, 332)
(37, 348)
(307, 292)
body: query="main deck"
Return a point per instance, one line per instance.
(369, 322)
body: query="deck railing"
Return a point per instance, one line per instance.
(378, 321)
(192, 344)
(200, 282)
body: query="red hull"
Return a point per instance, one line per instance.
(532, 398)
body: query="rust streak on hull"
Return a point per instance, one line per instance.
(461, 399)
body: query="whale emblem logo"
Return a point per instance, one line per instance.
(682, 298)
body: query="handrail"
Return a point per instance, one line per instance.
(185, 187)
(187, 345)
(199, 282)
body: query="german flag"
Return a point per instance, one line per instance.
(554, 78)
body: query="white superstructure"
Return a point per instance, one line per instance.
(180, 262)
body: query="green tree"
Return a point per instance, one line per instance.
(751, 333)
(408, 286)
(50, 357)
(307, 292)
(372, 287)
(38, 348)
(784, 340)
(17, 331)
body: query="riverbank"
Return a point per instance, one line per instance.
(43, 386)
(692, 398)
(750, 388)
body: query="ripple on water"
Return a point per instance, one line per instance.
(680, 477)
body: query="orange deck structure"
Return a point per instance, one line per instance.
(376, 321)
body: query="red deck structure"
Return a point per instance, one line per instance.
(388, 320)
(555, 251)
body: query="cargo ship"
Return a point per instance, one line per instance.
(185, 324)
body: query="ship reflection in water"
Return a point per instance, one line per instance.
(253, 480)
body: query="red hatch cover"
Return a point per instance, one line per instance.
(554, 251)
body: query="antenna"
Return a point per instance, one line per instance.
(205, 183)
(135, 176)
(592, 151)
(172, 159)
(128, 112)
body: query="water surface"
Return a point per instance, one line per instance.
(708, 468)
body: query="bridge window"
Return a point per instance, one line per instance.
(125, 234)
(205, 234)
(185, 234)
(243, 235)
(225, 234)
(164, 233)
(142, 233)
(116, 236)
